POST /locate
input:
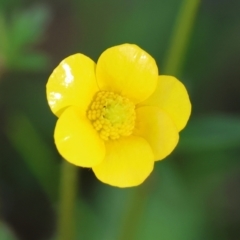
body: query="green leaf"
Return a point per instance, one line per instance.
(172, 212)
(6, 233)
(37, 155)
(25, 29)
(28, 26)
(211, 133)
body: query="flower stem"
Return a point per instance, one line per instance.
(68, 190)
(180, 37)
(134, 212)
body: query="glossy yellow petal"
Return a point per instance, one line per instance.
(128, 162)
(72, 82)
(172, 97)
(76, 139)
(158, 129)
(128, 70)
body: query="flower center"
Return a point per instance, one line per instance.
(112, 115)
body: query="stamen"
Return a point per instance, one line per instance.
(112, 115)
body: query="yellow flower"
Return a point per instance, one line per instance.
(117, 116)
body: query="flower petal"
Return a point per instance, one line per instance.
(172, 97)
(72, 82)
(77, 140)
(158, 129)
(127, 70)
(128, 162)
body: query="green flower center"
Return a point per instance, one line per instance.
(112, 115)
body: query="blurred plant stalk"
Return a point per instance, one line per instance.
(67, 202)
(1, 67)
(181, 36)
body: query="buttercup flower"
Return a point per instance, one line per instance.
(117, 116)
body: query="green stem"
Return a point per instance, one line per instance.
(134, 212)
(181, 35)
(68, 190)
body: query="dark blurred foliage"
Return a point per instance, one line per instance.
(194, 193)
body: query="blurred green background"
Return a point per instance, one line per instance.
(194, 194)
